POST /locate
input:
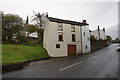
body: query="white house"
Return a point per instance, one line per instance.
(33, 35)
(65, 37)
(99, 33)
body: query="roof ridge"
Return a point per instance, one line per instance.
(66, 21)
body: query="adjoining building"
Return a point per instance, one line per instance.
(99, 34)
(65, 37)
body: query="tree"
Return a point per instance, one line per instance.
(109, 39)
(32, 28)
(92, 38)
(11, 26)
(39, 21)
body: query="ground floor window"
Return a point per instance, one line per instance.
(86, 46)
(57, 45)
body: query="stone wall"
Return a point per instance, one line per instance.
(98, 45)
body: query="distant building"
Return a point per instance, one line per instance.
(26, 32)
(98, 34)
(33, 35)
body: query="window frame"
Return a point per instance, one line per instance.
(74, 38)
(59, 37)
(84, 33)
(88, 39)
(57, 45)
(71, 28)
(86, 47)
(61, 26)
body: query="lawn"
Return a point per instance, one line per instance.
(20, 53)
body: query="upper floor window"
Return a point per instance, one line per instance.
(88, 38)
(60, 27)
(84, 33)
(73, 38)
(60, 36)
(73, 28)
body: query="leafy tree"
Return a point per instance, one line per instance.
(109, 39)
(39, 21)
(92, 38)
(21, 39)
(32, 28)
(11, 26)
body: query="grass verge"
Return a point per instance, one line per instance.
(20, 53)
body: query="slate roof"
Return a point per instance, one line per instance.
(66, 21)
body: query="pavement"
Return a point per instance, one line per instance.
(102, 63)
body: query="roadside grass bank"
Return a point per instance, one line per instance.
(16, 56)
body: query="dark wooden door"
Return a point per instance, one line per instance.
(71, 50)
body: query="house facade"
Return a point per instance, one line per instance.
(99, 34)
(65, 37)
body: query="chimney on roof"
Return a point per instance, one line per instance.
(46, 14)
(99, 32)
(104, 29)
(84, 21)
(98, 27)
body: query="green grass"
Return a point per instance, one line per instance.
(20, 53)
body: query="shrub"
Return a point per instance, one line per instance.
(11, 41)
(21, 39)
(33, 43)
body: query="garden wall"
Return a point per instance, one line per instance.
(98, 45)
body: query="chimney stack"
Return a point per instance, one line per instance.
(104, 29)
(47, 14)
(98, 27)
(98, 32)
(84, 21)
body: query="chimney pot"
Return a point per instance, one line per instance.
(84, 21)
(104, 29)
(98, 27)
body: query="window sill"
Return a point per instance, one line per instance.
(72, 31)
(60, 29)
(73, 41)
(61, 41)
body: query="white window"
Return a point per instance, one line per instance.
(73, 28)
(60, 26)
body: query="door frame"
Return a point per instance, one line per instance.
(72, 45)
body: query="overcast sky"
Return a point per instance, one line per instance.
(104, 14)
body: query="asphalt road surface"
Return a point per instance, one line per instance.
(99, 64)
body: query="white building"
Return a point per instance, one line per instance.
(65, 37)
(99, 34)
(33, 35)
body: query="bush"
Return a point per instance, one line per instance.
(21, 39)
(33, 43)
(11, 41)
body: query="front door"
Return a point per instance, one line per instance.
(71, 50)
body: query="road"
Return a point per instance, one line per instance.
(99, 64)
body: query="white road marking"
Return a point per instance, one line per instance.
(70, 66)
(92, 57)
